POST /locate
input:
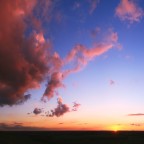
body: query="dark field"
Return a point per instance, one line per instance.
(72, 137)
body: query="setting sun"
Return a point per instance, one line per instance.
(115, 128)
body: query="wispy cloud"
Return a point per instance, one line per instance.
(128, 10)
(137, 124)
(60, 123)
(136, 114)
(93, 5)
(83, 55)
(19, 127)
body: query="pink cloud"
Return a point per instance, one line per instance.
(60, 110)
(27, 61)
(128, 10)
(114, 37)
(54, 83)
(82, 54)
(111, 82)
(40, 38)
(76, 106)
(79, 56)
(97, 50)
(22, 60)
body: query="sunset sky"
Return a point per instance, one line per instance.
(71, 65)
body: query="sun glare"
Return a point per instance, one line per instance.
(115, 128)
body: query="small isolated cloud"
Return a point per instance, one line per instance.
(76, 5)
(128, 10)
(114, 37)
(61, 123)
(137, 124)
(136, 114)
(75, 106)
(29, 113)
(60, 110)
(95, 31)
(93, 5)
(128, 57)
(111, 82)
(37, 111)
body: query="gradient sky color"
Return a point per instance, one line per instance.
(88, 57)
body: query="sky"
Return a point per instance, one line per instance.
(71, 65)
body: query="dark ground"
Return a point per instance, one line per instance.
(72, 137)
